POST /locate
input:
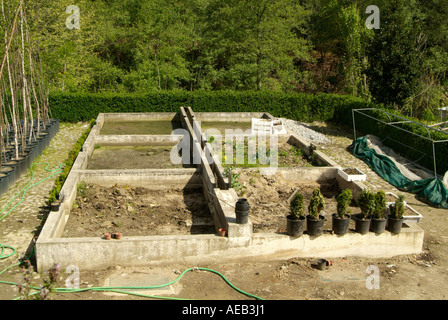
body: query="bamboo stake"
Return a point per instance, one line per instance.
(12, 33)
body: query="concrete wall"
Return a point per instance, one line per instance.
(137, 140)
(228, 116)
(94, 254)
(144, 116)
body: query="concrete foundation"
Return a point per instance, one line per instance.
(240, 242)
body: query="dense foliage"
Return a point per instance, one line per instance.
(305, 46)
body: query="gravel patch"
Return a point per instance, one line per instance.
(305, 132)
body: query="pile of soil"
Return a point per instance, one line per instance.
(135, 211)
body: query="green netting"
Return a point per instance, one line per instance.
(433, 190)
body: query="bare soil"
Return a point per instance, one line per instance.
(137, 211)
(287, 155)
(269, 198)
(114, 157)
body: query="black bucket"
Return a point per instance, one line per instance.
(242, 209)
(321, 264)
(295, 226)
(339, 225)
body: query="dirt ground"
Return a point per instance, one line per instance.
(411, 277)
(137, 211)
(154, 157)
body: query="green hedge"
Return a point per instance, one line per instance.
(73, 154)
(74, 107)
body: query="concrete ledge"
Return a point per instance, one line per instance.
(303, 144)
(147, 178)
(143, 116)
(371, 245)
(228, 116)
(322, 159)
(137, 140)
(95, 253)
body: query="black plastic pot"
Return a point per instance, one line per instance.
(3, 184)
(339, 225)
(8, 178)
(31, 149)
(378, 225)
(321, 264)
(295, 226)
(21, 168)
(15, 172)
(394, 225)
(315, 227)
(362, 226)
(242, 209)
(55, 205)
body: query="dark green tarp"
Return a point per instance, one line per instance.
(433, 190)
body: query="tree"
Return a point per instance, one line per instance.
(355, 36)
(396, 54)
(253, 44)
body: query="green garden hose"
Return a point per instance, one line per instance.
(23, 192)
(95, 289)
(123, 290)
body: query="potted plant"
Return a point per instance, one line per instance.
(341, 219)
(366, 202)
(395, 218)
(314, 220)
(378, 224)
(296, 218)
